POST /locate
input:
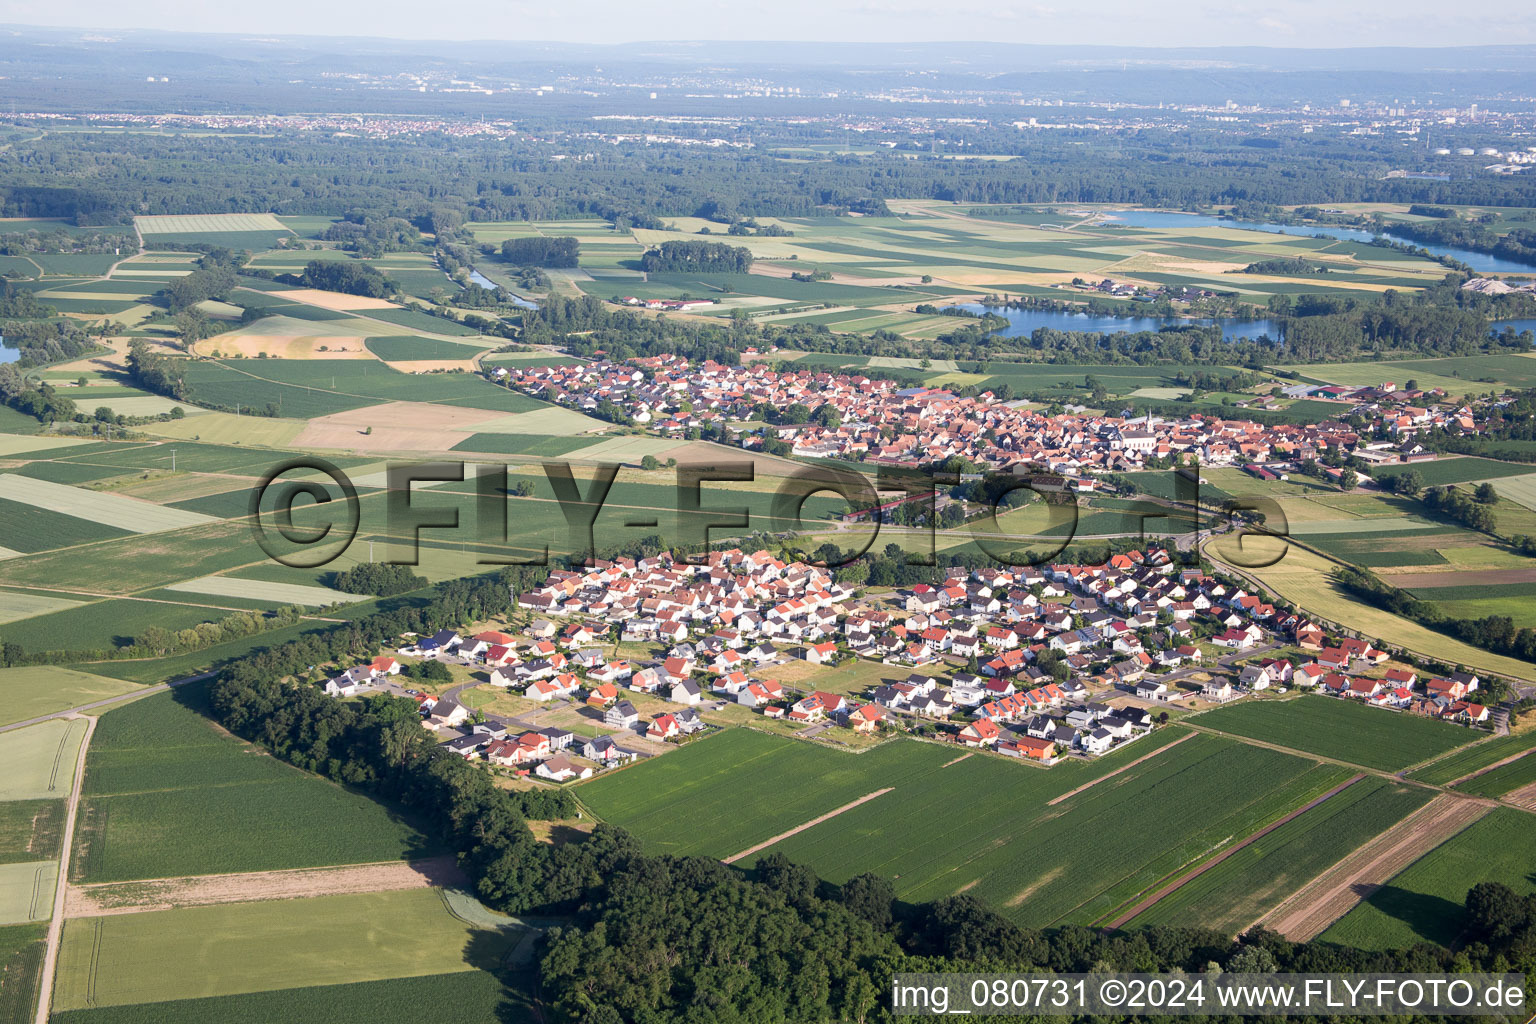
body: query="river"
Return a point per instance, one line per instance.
(1022, 323)
(1169, 219)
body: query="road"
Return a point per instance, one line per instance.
(56, 923)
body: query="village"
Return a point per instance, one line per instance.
(1038, 664)
(854, 417)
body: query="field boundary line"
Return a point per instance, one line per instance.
(1123, 768)
(749, 851)
(1208, 864)
(1349, 882)
(56, 922)
(1484, 771)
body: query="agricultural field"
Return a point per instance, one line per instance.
(111, 510)
(1474, 757)
(206, 952)
(1424, 902)
(1503, 780)
(877, 267)
(1245, 886)
(168, 794)
(1037, 864)
(1340, 729)
(40, 690)
(256, 231)
(1461, 469)
(1456, 376)
(38, 762)
(475, 997)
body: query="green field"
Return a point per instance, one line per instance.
(167, 794)
(544, 445)
(30, 830)
(1472, 758)
(1458, 470)
(399, 349)
(29, 528)
(202, 952)
(102, 625)
(305, 388)
(1503, 779)
(1241, 889)
(981, 825)
(463, 997)
(1424, 902)
(21, 961)
(1342, 729)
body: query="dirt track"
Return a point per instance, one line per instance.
(1206, 865)
(1342, 887)
(1525, 797)
(109, 898)
(1123, 768)
(749, 851)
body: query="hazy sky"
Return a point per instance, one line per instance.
(1118, 22)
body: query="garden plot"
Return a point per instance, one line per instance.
(96, 507)
(261, 590)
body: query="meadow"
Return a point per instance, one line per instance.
(1247, 885)
(1425, 901)
(203, 952)
(1342, 729)
(980, 825)
(168, 794)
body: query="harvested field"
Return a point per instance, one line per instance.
(1523, 797)
(109, 898)
(280, 346)
(38, 762)
(1337, 891)
(15, 605)
(339, 301)
(1462, 578)
(203, 223)
(396, 426)
(26, 891)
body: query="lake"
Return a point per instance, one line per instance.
(1023, 322)
(1169, 219)
(484, 282)
(1517, 325)
(8, 354)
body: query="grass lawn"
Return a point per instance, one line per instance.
(1342, 729)
(167, 793)
(1424, 902)
(199, 952)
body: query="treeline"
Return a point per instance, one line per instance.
(344, 276)
(381, 579)
(697, 258)
(214, 278)
(41, 400)
(1448, 229)
(154, 372)
(1293, 267)
(1495, 633)
(40, 342)
(62, 240)
(541, 251)
(159, 642)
